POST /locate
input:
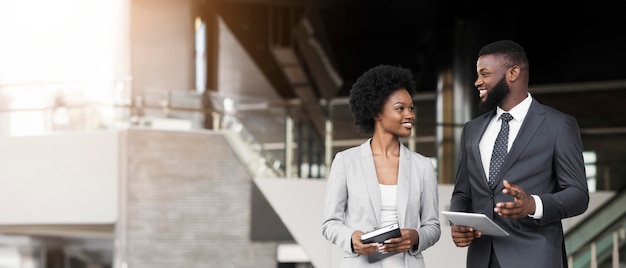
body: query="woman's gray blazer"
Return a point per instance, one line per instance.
(353, 202)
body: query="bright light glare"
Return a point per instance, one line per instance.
(52, 45)
(27, 123)
(58, 40)
(229, 105)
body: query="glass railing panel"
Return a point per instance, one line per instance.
(256, 122)
(232, 123)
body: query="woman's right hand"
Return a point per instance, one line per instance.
(360, 248)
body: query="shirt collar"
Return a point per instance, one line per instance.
(519, 111)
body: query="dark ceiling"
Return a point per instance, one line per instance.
(565, 43)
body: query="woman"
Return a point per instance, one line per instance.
(381, 181)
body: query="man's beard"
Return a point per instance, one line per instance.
(495, 96)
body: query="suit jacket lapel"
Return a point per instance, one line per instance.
(478, 133)
(371, 180)
(403, 185)
(534, 119)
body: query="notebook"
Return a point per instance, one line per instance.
(380, 235)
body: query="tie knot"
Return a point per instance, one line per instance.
(506, 117)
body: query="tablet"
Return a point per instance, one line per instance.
(479, 221)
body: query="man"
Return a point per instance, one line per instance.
(541, 175)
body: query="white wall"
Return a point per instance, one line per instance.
(59, 179)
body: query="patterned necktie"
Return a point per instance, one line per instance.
(499, 148)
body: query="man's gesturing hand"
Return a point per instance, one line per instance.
(523, 204)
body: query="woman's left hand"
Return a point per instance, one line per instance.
(404, 243)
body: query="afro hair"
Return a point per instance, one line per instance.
(372, 88)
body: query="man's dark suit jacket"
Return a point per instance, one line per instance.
(545, 160)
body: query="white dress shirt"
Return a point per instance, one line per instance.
(489, 138)
(389, 215)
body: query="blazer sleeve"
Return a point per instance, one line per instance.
(333, 225)
(429, 230)
(569, 170)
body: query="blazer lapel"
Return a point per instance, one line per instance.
(371, 180)
(403, 185)
(475, 141)
(534, 119)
